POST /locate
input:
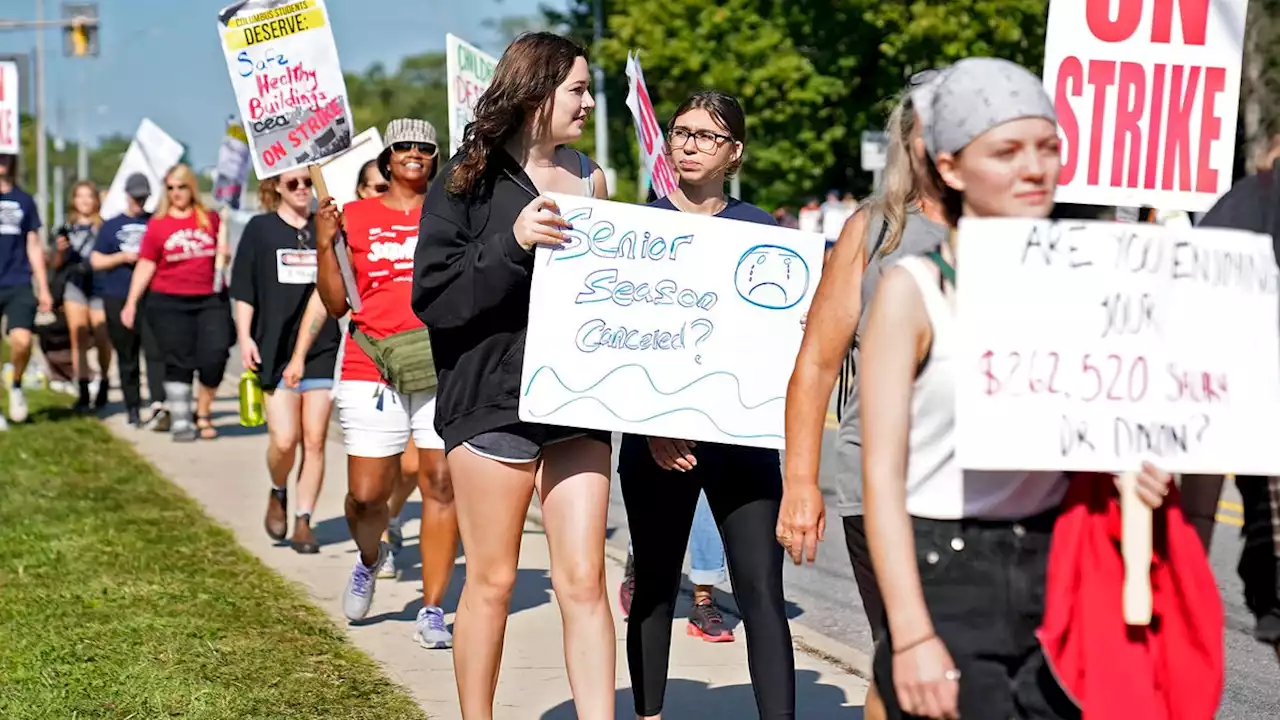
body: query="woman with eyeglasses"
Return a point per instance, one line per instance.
(662, 478)
(272, 284)
(186, 306)
(86, 315)
(482, 222)
(378, 414)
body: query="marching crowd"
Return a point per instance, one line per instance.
(990, 595)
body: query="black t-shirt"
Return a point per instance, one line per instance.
(275, 272)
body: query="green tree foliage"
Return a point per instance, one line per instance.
(812, 74)
(417, 89)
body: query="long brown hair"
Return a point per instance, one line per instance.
(526, 77)
(95, 215)
(186, 176)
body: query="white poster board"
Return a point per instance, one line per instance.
(232, 171)
(1147, 96)
(288, 82)
(342, 171)
(10, 101)
(469, 71)
(1094, 346)
(666, 323)
(153, 152)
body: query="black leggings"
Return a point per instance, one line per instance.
(744, 491)
(130, 346)
(194, 333)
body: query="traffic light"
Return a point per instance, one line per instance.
(80, 33)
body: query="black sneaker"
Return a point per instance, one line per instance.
(135, 418)
(706, 622)
(104, 388)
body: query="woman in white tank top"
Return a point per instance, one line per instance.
(959, 556)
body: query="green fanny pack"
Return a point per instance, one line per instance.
(404, 359)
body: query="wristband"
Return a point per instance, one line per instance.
(915, 644)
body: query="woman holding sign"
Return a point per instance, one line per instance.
(481, 224)
(190, 316)
(960, 556)
(271, 283)
(386, 396)
(662, 478)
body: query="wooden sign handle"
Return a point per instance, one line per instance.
(1135, 547)
(317, 181)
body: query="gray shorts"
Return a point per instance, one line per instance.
(73, 295)
(524, 442)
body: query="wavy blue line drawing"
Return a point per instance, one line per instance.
(529, 387)
(653, 417)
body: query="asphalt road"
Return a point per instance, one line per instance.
(823, 597)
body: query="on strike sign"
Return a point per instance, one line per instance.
(1147, 94)
(1095, 346)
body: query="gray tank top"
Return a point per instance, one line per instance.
(920, 236)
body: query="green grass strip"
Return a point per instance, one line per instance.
(119, 598)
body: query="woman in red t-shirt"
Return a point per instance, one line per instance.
(187, 306)
(377, 420)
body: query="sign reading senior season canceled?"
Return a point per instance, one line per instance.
(288, 82)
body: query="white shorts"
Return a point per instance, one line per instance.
(377, 421)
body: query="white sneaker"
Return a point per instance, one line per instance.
(387, 569)
(358, 597)
(429, 629)
(17, 405)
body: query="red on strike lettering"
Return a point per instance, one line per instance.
(3, 74)
(1194, 16)
(1177, 143)
(1154, 126)
(1102, 74)
(1070, 82)
(1215, 79)
(1130, 103)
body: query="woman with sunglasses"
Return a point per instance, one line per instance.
(178, 264)
(663, 478)
(86, 315)
(473, 271)
(370, 182)
(377, 419)
(272, 283)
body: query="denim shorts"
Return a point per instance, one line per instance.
(984, 586)
(523, 442)
(307, 385)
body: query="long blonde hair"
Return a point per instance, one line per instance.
(900, 188)
(185, 175)
(95, 215)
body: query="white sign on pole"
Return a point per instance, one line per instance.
(1095, 346)
(653, 145)
(875, 150)
(666, 323)
(232, 171)
(151, 153)
(10, 100)
(288, 82)
(469, 71)
(342, 172)
(1147, 94)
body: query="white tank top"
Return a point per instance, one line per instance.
(937, 488)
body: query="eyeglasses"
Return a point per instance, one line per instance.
(293, 184)
(705, 140)
(405, 146)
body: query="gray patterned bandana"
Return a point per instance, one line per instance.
(978, 94)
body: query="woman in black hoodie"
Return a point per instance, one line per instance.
(481, 222)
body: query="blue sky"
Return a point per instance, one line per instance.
(162, 59)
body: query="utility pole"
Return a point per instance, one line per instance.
(42, 150)
(602, 105)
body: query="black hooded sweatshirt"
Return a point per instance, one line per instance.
(471, 283)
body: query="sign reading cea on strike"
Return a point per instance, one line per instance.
(1147, 94)
(666, 323)
(288, 83)
(1095, 346)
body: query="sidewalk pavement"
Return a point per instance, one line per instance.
(228, 477)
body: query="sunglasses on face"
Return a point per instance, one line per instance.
(176, 188)
(295, 183)
(405, 146)
(379, 187)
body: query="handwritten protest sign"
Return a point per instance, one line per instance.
(653, 146)
(1147, 94)
(469, 72)
(1095, 346)
(10, 97)
(667, 323)
(288, 83)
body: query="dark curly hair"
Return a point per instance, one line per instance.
(526, 77)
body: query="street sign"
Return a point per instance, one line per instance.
(875, 148)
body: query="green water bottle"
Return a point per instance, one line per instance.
(252, 413)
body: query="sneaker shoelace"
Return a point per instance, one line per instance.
(435, 619)
(710, 613)
(361, 580)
